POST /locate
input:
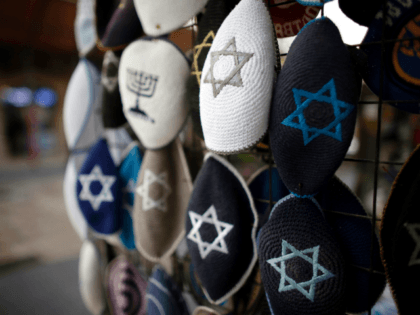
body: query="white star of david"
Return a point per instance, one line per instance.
(413, 230)
(106, 181)
(222, 228)
(143, 191)
(292, 283)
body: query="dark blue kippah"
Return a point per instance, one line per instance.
(401, 73)
(354, 236)
(221, 227)
(98, 190)
(360, 11)
(313, 111)
(302, 267)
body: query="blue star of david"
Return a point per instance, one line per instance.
(310, 133)
(310, 294)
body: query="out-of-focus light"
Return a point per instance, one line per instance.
(19, 97)
(45, 97)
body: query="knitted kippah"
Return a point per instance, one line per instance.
(84, 26)
(354, 236)
(215, 14)
(313, 112)
(313, 2)
(164, 296)
(237, 80)
(400, 236)
(360, 11)
(152, 79)
(290, 18)
(82, 122)
(90, 278)
(117, 24)
(302, 267)
(221, 228)
(128, 171)
(97, 190)
(401, 58)
(112, 113)
(126, 288)
(159, 17)
(71, 203)
(163, 189)
(259, 186)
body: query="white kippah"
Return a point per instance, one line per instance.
(159, 17)
(84, 26)
(152, 79)
(82, 102)
(237, 80)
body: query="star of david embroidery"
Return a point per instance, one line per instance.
(414, 229)
(234, 77)
(197, 51)
(222, 228)
(341, 111)
(143, 191)
(106, 181)
(310, 294)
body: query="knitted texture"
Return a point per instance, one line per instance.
(313, 112)
(290, 18)
(259, 186)
(128, 171)
(126, 288)
(97, 190)
(117, 24)
(354, 236)
(362, 12)
(164, 16)
(163, 189)
(112, 113)
(152, 80)
(237, 80)
(399, 235)
(302, 267)
(215, 14)
(84, 26)
(163, 295)
(71, 203)
(221, 225)
(90, 278)
(81, 112)
(401, 58)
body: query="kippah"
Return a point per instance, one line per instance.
(152, 79)
(313, 112)
(237, 80)
(302, 267)
(84, 26)
(221, 225)
(354, 236)
(360, 11)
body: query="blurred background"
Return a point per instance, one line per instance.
(38, 246)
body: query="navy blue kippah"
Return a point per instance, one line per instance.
(313, 111)
(302, 267)
(98, 190)
(354, 236)
(221, 227)
(360, 11)
(400, 236)
(163, 295)
(401, 74)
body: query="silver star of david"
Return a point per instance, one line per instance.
(413, 230)
(222, 228)
(234, 78)
(143, 191)
(310, 294)
(106, 181)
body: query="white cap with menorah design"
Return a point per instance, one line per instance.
(152, 80)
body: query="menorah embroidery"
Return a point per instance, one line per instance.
(141, 84)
